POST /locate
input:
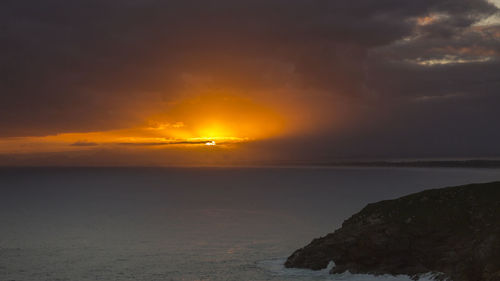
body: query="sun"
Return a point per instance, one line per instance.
(227, 121)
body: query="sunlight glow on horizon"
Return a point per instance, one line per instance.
(204, 120)
(210, 143)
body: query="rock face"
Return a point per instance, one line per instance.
(454, 231)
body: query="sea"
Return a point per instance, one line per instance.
(192, 224)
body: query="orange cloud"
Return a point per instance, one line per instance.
(221, 119)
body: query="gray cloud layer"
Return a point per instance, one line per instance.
(420, 89)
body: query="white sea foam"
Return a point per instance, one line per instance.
(276, 267)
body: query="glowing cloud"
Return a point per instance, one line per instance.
(204, 120)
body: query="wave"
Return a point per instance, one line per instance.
(276, 267)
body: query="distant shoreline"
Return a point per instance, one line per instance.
(419, 164)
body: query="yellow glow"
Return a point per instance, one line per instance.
(205, 120)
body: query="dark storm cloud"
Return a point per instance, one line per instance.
(76, 66)
(84, 143)
(163, 143)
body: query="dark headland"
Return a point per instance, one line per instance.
(453, 232)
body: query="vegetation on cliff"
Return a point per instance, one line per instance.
(453, 231)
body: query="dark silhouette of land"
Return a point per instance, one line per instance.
(452, 231)
(423, 164)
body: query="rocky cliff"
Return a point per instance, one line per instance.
(453, 231)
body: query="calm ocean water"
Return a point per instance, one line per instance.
(187, 224)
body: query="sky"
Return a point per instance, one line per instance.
(191, 82)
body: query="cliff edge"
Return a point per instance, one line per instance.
(453, 231)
